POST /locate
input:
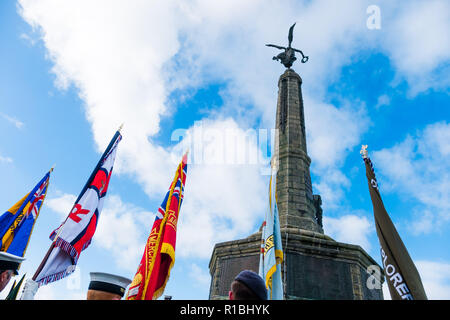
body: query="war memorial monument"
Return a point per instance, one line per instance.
(315, 266)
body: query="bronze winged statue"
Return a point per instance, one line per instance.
(287, 57)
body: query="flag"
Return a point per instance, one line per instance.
(271, 255)
(402, 277)
(76, 232)
(16, 224)
(159, 252)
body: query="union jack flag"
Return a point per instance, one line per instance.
(16, 224)
(36, 203)
(176, 193)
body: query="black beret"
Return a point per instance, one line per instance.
(254, 282)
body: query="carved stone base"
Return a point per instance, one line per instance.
(317, 266)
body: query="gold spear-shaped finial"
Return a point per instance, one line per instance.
(120, 128)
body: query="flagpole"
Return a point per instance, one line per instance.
(39, 269)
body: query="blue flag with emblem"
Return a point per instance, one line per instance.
(16, 224)
(271, 255)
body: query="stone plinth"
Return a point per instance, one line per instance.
(318, 267)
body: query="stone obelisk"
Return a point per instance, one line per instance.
(315, 266)
(297, 206)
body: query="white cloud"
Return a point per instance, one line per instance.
(332, 134)
(62, 204)
(6, 159)
(201, 277)
(418, 168)
(17, 123)
(435, 279)
(383, 100)
(344, 127)
(123, 231)
(221, 200)
(424, 222)
(416, 42)
(350, 229)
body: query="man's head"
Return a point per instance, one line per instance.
(105, 286)
(248, 285)
(5, 276)
(9, 264)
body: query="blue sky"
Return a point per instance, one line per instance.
(73, 72)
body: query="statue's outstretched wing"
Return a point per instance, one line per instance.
(275, 46)
(290, 35)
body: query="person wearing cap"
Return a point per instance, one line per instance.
(105, 286)
(248, 285)
(9, 265)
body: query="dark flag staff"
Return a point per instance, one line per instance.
(401, 274)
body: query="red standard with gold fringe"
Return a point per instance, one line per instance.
(159, 254)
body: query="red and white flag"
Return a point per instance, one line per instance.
(76, 232)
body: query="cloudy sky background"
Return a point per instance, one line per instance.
(73, 71)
